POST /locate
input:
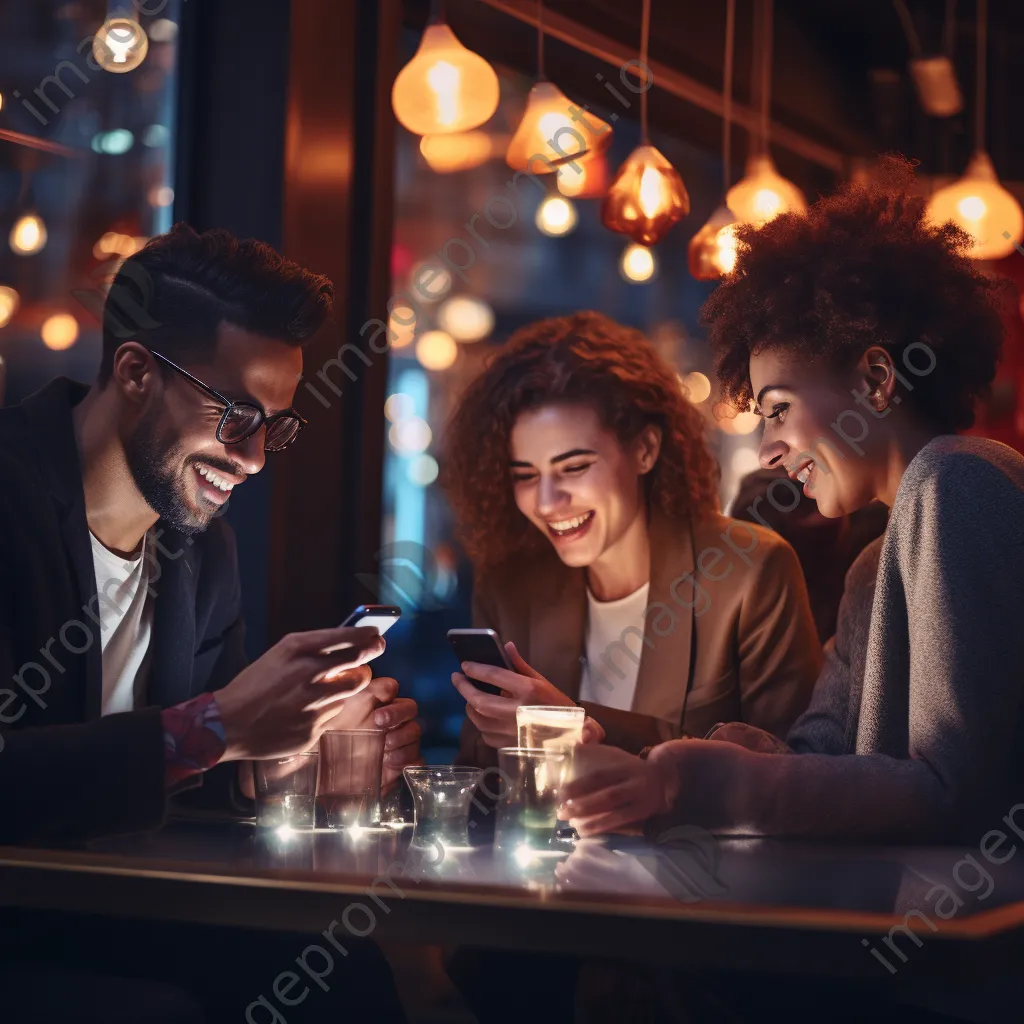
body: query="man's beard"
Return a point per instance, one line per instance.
(152, 462)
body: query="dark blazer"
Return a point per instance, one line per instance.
(64, 770)
(728, 636)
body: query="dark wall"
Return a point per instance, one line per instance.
(231, 130)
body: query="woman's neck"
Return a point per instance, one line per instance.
(625, 566)
(903, 446)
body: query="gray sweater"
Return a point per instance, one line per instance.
(916, 728)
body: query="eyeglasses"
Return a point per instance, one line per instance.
(242, 419)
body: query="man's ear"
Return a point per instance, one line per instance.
(647, 448)
(134, 372)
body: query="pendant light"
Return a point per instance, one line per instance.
(712, 251)
(585, 178)
(445, 88)
(763, 193)
(648, 195)
(977, 202)
(459, 151)
(554, 130)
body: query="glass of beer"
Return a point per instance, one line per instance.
(348, 794)
(528, 807)
(549, 728)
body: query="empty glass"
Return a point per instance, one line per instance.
(348, 793)
(549, 728)
(528, 807)
(441, 797)
(285, 790)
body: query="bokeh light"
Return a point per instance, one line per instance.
(637, 263)
(28, 236)
(556, 216)
(59, 331)
(697, 387)
(9, 302)
(436, 350)
(423, 470)
(401, 326)
(411, 435)
(466, 318)
(398, 406)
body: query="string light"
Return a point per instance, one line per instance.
(585, 178)
(697, 387)
(401, 326)
(445, 87)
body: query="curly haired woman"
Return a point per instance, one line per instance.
(587, 500)
(865, 335)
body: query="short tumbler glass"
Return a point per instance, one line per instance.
(441, 797)
(285, 790)
(348, 793)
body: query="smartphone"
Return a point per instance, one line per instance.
(383, 616)
(480, 645)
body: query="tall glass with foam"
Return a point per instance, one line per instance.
(549, 728)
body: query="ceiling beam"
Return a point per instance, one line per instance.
(590, 41)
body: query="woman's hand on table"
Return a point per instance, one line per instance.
(495, 716)
(612, 791)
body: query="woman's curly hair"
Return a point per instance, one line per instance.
(862, 268)
(584, 358)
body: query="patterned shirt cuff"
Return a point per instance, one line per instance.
(193, 738)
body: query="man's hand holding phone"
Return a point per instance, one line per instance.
(494, 715)
(283, 701)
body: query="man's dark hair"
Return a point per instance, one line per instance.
(863, 268)
(173, 294)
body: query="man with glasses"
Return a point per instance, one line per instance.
(123, 677)
(122, 671)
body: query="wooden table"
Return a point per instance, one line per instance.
(707, 903)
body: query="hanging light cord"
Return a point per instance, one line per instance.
(766, 72)
(730, 32)
(645, 31)
(540, 39)
(979, 92)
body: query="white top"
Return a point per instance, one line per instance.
(125, 608)
(613, 656)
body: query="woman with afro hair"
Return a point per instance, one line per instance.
(864, 335)
(577, 470)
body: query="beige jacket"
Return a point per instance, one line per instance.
(729, 633)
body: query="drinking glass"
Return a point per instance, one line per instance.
(285, 790)
(528, 807)
(441, 797)
(549, 728)
(348, 793)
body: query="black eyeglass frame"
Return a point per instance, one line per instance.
(263, 418)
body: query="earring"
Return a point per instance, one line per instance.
(880, 402)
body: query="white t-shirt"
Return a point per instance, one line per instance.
(609, 675)
(125, 609)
